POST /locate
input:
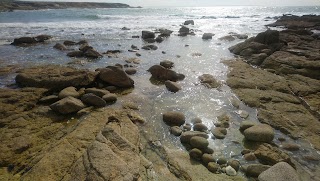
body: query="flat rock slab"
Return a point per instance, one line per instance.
(54, 77)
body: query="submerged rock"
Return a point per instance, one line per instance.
(207, 36)
(67, 105)
(209, 81)
(149, 47)
(60, 46)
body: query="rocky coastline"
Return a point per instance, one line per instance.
(30, 5)
(56, 122)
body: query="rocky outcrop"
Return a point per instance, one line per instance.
(290, 59)
(54, 77)
(116, 76)
(298, 22)
(22, 41)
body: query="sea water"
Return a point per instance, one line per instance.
(102, 29)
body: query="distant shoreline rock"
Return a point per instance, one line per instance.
(29, 5)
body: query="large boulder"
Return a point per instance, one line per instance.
(183, 31)
(54, 77)
(161, 73)
(261, 133)
(268, 37)
(148, 34)
(281, 171)
(67, 105)
(116, 76)
(174, 118)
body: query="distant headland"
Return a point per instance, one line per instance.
(11, 5)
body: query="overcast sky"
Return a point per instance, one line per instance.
(208, 2)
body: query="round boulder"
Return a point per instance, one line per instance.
(174, 118)
(261, 133)
(200, 127)
(195, 154)
(69, 91)
(207, 158)
(231, 171)
(93, 100)
(199, 142)
(281, 171)
(213, 167)
(176, 130)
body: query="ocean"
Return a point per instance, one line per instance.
(192, 56)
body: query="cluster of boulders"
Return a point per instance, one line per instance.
(78, 89)
(150, 37)
(23, 41)
(85, 50)
(164, 74)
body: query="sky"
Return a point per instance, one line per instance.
(201, 3)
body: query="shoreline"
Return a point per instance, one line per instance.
(80, 145)
(30, 5)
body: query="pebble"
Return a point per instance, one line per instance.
(195, 154)
(249, 157)
(196, 120)
(199, 142)
(175, 130)
(213, 167)
(187, 127)
(222, 161)
(235, 164)
(243, 114)
(200, 127)
(290, 146)
(231, 171)
(206, 158)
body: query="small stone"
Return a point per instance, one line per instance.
(314, 158)
(93, 100)
(222, 161)
(174, 118)
(235, 164)
(49, 99)
(243, 114)
(138, 54)
(131, 71)
(213, 167)
(218, 132)
(97, 92)
(207, 36)
(195, 154)
(172, 86)
(206, 158)
(250, 157)
(223, 118)
(187, 127)
(245, 151)
(69, 91)
(282, 139)
(200, 127)
(199, 142)
(85, 111)
(290, 146)
(208, 150)
(186, 136)
(67, 105)
(109, 98)
(130, 105)
(254, 170)
(235, 102)
(246, 124)
(231, 171)
(167, 64)
(196, 120)
(176, 130)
